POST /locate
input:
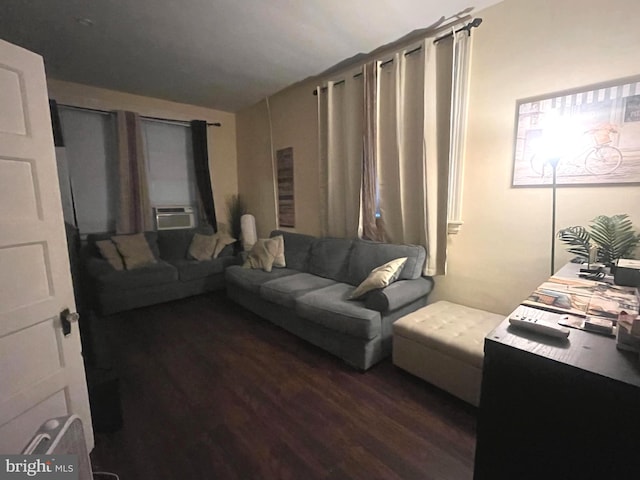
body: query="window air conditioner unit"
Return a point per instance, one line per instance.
(173, 218)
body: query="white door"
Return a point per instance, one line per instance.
(41, 370)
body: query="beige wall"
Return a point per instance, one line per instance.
(294, 123)
(522, 49)
(222, 140)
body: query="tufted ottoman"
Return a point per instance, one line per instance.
(443, 343)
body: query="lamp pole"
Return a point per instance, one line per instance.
(554, 166)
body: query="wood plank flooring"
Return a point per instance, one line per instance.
(211, 391)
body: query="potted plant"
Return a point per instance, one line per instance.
(613, 237)
(236, 208)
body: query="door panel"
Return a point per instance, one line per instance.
(11, 100)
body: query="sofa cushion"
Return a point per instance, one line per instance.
(328, 258)
(224, 239)
(285, 290)
(96, 267)
(174, 244)
(152, 274)
(279, 260)
(250, 279)
(193, 269)
(366, 255)
(331, 308)
(296, 249)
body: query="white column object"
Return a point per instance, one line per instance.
(248, 229)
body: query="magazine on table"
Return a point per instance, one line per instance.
(561, 301)
(584, 297)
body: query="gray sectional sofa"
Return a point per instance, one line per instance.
(309, 297)
(173, 276)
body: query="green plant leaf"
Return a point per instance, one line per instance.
(577, 238)
(614, 236)
(235, 209)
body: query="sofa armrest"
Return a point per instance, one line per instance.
(398, 294)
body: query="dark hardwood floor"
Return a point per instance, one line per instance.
(211, 391)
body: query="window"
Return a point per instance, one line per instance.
(170, 168)
(91, 150)
(92, 157)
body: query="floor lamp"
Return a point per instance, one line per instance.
(554, 166)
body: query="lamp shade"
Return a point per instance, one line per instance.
(248, 229)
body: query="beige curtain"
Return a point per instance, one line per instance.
(413, 138)
(406, 123)
(340, 130)
(134, 208)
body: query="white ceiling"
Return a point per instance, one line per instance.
(223, 54)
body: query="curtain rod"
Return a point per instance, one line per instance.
(474, 23)
(159, 119)
(359, 74)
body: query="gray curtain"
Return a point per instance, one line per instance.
(199, 141)
(134, 207)
(372, 225)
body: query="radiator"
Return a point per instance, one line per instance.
(62, 436)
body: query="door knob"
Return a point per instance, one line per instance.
(66, 318)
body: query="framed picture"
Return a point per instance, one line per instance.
(286, 200)
(593, 133)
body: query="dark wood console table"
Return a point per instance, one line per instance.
(552, 409)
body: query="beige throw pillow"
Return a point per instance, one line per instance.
(110, 253)
(224, 239)
(203, 246)
(135, 250)
(262, 254)
(279, 260)
(380, 277)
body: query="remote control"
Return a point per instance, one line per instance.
(537, 325)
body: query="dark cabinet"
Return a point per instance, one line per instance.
(552, 409)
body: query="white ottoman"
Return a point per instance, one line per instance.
(443, 343)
